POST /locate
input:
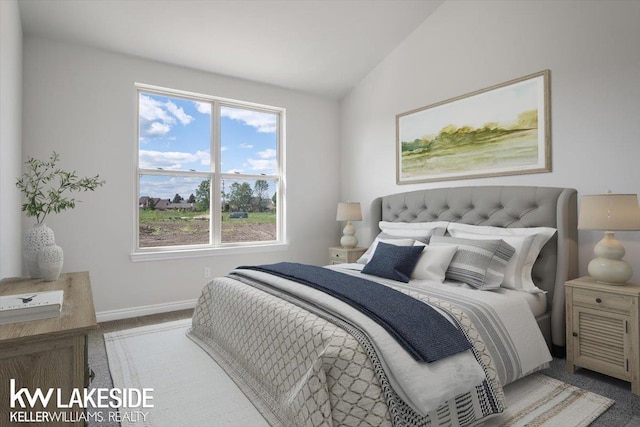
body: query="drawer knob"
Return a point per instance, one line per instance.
(598, 300)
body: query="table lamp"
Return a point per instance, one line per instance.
(349, 211)
(609, 212)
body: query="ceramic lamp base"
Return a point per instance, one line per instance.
(349, 240)
(608, 266)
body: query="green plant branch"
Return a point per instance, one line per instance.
(45, 186)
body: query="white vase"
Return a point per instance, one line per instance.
(35, 239)
(50, 259)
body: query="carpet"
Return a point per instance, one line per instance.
(189, 389)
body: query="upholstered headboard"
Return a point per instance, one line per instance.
(504, 206)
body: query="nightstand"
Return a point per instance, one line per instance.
(339, 255)
(48, 353)
(603, 329)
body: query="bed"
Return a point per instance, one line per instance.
(306, 358)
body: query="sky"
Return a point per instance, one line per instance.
(175, 135)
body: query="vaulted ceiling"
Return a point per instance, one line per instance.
(323, 47)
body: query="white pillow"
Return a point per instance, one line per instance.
(433, 262)
(366, 257)
(413, 229)
(527, 242)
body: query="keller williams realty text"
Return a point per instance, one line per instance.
(64, 417)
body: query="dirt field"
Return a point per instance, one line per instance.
(175, 233)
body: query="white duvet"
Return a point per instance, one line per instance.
(504, 319)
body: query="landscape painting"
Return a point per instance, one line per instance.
(501, 130)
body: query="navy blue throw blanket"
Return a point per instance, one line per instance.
(424, 332)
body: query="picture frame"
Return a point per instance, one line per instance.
(501, 130)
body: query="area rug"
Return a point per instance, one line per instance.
(189, 389)
(541, 401)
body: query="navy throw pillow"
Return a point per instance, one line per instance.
(393, 262)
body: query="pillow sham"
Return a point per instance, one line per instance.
(478, 263)
(392, 240)
(433, 262)
(528, 243)
(393, 262)
(414, 229)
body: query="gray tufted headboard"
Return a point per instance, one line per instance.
(504, 206)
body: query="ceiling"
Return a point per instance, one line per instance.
(323, 47)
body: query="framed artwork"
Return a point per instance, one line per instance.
(501, 130)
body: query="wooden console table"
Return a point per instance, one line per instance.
(47, 353)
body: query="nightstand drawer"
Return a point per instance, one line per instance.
(601, 300)
(337, 255)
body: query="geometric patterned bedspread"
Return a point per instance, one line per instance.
(301, 366)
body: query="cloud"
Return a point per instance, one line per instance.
(172, 160)
(263, 122)
(245, 145)
(262, 165)
(203, 107)
(179, 113)
(157, 129)
(266, 161)
(269, 153)
(166, 187)
(157, 118)
(151, 110)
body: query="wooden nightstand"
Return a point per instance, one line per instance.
(339, 255)
(603, 329)
(48, 353)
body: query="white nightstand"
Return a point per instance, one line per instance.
(339, 255)
(603, 330)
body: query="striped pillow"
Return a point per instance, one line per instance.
(478, 263)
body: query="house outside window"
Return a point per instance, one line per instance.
(209, 172)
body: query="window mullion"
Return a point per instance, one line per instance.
(216, 208)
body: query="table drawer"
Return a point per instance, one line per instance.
(336, 255)
(602, 301)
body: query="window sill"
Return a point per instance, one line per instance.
(172, 254)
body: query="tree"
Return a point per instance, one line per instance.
(203, 193)
(274, 198)
(151, 203)
(528, 119)
(261, 193)
(240, 196)
(177, 198)
(191, 199)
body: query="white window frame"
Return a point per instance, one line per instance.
(216, 246)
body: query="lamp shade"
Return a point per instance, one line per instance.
(609, 212)
(349, 211)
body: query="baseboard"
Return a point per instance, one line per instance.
(126, 313)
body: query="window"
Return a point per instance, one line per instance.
(209, 172)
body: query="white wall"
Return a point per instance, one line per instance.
(10, 138)
(81, 103)
(593, 52)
